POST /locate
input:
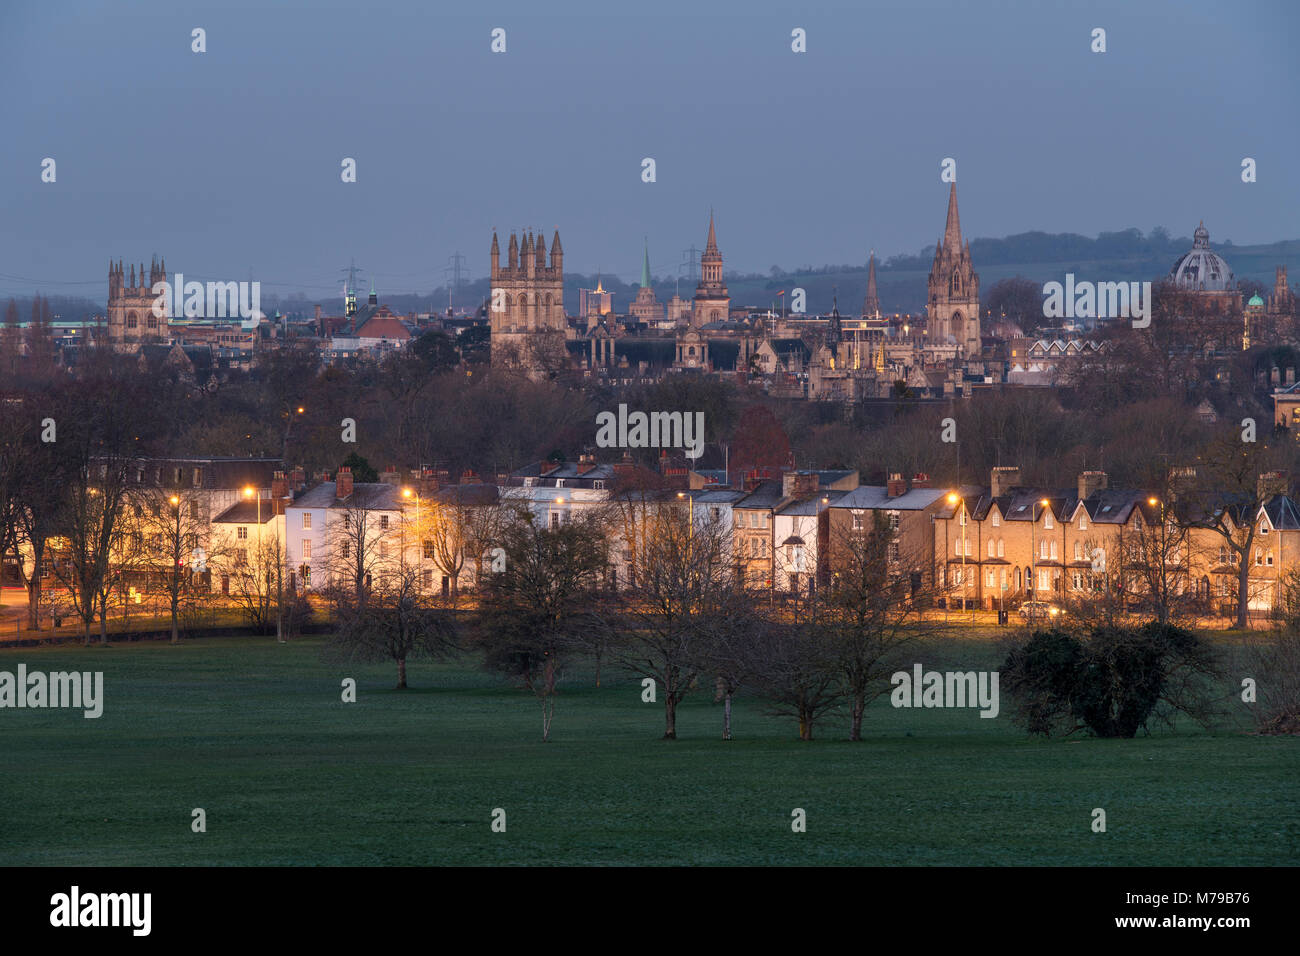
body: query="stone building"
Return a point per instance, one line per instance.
(953, 303)
(646, 307)
(712, 301)
(527, 306)
(131, 314)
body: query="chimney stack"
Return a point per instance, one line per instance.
(1003, 479)
(800, 484)
(896, 487)
(1091, 482)
(297, 478)
(279, 485)
(1271, 483)
(920, 480)
(343, 482)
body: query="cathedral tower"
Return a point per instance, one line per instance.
(526, 306)
(953, 304)
(131, 315)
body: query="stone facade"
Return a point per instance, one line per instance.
(953, 304)
(527, 306)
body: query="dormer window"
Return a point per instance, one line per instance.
(997, 520)
(1083, 522)
(1047, 520)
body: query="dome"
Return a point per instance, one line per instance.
(1255, 300)
(1202, 269)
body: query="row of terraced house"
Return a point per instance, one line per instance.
(990, 546)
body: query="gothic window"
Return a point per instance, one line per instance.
(153, 321)
(131, 320)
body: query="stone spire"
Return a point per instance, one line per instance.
(871, 304)
(711, 247)
(645, 265)
(952, 231)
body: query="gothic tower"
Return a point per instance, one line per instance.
(712, 302)
(131, 314)
(527, 306)
(953, 305)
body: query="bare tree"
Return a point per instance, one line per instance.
(396, 623)
(683, 585)
(871, 615)
(175, 542)
(533, 615)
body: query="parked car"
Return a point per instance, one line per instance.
(1040, 611)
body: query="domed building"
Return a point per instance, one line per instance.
(1204, 272)
(1202, 269)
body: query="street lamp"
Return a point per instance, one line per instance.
(953, 498)
(1033, 551)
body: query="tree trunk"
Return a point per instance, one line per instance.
(176, 634)
(726, 716)
(805, 723)
(670, 717)
(401, 673)
(1243, 591)
(859, 705)
(34, 600)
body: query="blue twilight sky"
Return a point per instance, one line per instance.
(229, 161)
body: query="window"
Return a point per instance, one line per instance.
(306, 521)
(754, 547)
(893, 521)
(993, 550)
(1268, 559)
(194, 510)
(1042, 550)
(1047, 519)
(1053, 550)
(962, 517)
(198, 477)
(383, 549)
(1083, 522)
(555, 520)
(1259, 556)
(598, 484)
(1078, 581)
(347, 521)
(306, 550)
(241, 534)
(347, 549)
(428, 577)
(383, 521)
(1078, 551)
(1044, 581)
(1001, 550)
(857, 521)
(967, 547)
(714, 513)
(1263, 528)
(893, 551)
(428, 548)
(956, 547)
(241, 556)
(990, 577)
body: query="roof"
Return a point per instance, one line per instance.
(372, 496)
(766, 495)
(247, 512)
(469, 495)
(873, 497)
(383, 327)
(811, 506)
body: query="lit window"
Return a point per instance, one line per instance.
(306, 550)
(383, 521)
(241, 534)
(306, 521)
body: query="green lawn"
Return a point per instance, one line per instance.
(256, 734)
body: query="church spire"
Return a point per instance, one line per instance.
(871, 304)
(645, 266)
(952, 231)
(711, 247)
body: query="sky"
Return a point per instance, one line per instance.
(228, 162)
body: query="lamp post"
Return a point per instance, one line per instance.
(1033, 548)
(176, 565)
(1164, 596)
(409, 493)
(953, 499)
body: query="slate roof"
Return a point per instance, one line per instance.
(247, 512)
(876, 497)
(372, 496)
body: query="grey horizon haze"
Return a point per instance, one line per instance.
(229, 160)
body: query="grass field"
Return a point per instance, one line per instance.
(255, 733)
